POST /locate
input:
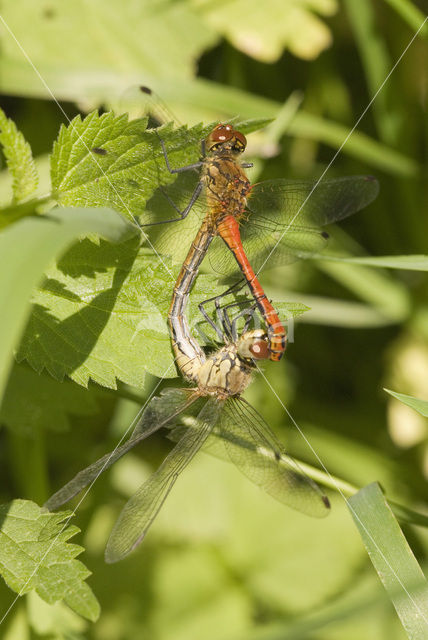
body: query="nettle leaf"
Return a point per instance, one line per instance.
(19, 159)
(26, 250)
(101, 315)
(101, 312)
(32, 402)
(107, 159)
(35, 555)
(264, 30)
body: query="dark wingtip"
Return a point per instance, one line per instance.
(326, 502)
(144, 89)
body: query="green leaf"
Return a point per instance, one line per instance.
(289, 310)
(108, 160)
(35, 554)
(26, 249)
(409, 262)
(126, 40)
(414, 403)
(19, 159)
(32, 401)
(392, 558)
(264, 30)
(101, 314)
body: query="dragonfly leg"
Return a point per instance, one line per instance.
(222, 321)
(208, 319)
(181, 214)
(188, 167)
(248, 311)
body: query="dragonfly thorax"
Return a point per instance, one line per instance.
(228, 371)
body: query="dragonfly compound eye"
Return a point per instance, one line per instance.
(223, 134)
(260, 350)
(253, 345)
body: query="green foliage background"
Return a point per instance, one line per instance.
(223, 560)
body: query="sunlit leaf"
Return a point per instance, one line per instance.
(19, 159)
(26, 250)
(35, 554)
(264, 30)
(130, 39)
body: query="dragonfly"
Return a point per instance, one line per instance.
(275, 221)
(214, 416)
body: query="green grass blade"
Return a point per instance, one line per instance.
(26, 249)
(392, 558)
(410, 262)
(414, 403)
(410, 14)
(377, 64)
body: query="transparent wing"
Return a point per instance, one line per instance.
(160, 412)
(256, 451)
(285, 217)
(140, 511)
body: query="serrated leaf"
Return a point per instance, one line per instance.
(32, 402)
(101, 315)
(414, 403)
(264, 30)
(26, 250)
(19, 159)
(108, 160)
(35, 555)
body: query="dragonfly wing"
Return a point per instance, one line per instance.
(140, 511)
(158, 413)
(306, 204)
(284, 218)
(256, 451)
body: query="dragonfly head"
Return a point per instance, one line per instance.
(253, 345)
(225, 139)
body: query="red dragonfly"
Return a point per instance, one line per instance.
(275, 221)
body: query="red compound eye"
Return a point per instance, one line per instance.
(226, 133)
(260, 350)
(241, 139)
(222, 133)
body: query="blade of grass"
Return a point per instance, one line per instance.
(415, 403)
(376, 62)
(410, 262)
(392, 558)
(410, 14)
(386, 294)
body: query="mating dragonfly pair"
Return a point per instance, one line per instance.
(276, 220)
